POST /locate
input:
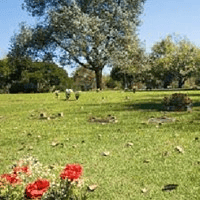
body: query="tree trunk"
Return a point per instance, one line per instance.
(98, 73)
(125, 81)
(181, 82)
(168, 78)
(166, 83)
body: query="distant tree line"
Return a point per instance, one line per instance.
(104, 33)
(173, 59)
(24, 75)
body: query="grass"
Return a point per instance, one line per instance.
(123, 173)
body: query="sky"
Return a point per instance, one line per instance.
(163, 17)
(159, 19)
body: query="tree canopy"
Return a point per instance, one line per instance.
(174, 58)
(84, 79)
(68, 30)
(24, 75)
(4, 73)
(130, 66)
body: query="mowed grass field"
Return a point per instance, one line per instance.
(151, 162)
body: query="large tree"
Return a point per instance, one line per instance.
(69, 30)
(129, 66)
(174, 58)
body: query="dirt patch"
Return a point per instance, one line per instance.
(163, 119)
(45, 116)
(108, 119)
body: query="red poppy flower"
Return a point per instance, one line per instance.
(37, 189)
(71, 171)
(11, 178)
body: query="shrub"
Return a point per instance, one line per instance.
(110, 83)
(177, 101)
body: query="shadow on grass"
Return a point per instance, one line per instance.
(196, 104)
(148, 106)
(194, 95)
(143, 106)
(68, 100)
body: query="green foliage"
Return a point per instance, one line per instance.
(24, 75)
(126, 78)
(174, 59)
(66, 190)
(111, 83)
(84, 79)
(48, 75)
(131, 65)
(4, 75)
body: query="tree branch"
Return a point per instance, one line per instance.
(75, 59)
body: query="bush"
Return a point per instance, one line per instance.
(110, 83)
(177, 101)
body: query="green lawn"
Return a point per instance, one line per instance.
(123, 173)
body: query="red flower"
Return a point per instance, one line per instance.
(71, 172)
(11, 178)
(23, 169)
(37, 189)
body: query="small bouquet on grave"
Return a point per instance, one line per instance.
(77, 95)
(68, 93)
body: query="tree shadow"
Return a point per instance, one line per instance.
(148, 106)
(196, 104)
(194, 95)
(155, 106)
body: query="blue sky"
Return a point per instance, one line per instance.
(163, 17)
(160, 18)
